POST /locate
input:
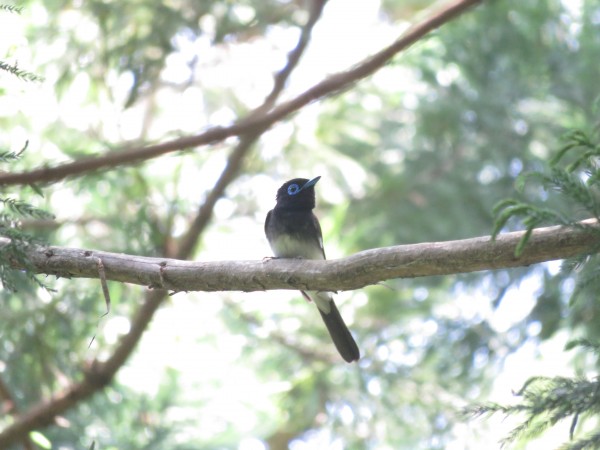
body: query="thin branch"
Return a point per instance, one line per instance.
(256, 120)
(104, 285)
(354, 272)
(282, 77)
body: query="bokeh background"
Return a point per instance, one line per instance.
(420, 151)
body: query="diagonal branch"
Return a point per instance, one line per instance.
(281, 78)
(256, 120)
(354, 272)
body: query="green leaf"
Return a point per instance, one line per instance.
(40, 439)
(523, 242)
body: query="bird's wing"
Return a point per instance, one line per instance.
(319, 234)
(267, 220)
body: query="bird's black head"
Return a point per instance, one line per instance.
(298, 193)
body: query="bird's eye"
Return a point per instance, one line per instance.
(293, 189)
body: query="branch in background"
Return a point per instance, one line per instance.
(281, 78)
(9, 406)
(354, 272)
(256, 121)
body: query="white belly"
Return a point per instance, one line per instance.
(286, 247)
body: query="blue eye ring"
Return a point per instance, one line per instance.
(293, 189)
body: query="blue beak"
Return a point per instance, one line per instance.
(310, 183)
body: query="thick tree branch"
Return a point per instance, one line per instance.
(354, 272)
(256, 120)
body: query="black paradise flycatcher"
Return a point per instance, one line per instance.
(293, 231)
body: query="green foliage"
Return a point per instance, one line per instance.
(11, 8)
(545, 401)
(40, 440)
(14, 69)
(418, 152)
(574, 174)
(576, 180)
(136, 37)
(8, 156)
(15, 243)
(533, 217)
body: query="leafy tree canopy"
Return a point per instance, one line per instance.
(419, 151)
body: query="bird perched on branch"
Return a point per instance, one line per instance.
(293, 231)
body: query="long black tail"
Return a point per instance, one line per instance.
(343, 340)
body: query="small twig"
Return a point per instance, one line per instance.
(105, 292)
(104, 284)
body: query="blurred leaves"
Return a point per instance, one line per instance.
(419, 152)
(136, 37)
(15, 242)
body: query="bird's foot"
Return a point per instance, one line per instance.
(268, 258)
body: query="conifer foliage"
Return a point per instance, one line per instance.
(573, 173)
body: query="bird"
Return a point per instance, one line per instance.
(293, 231)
